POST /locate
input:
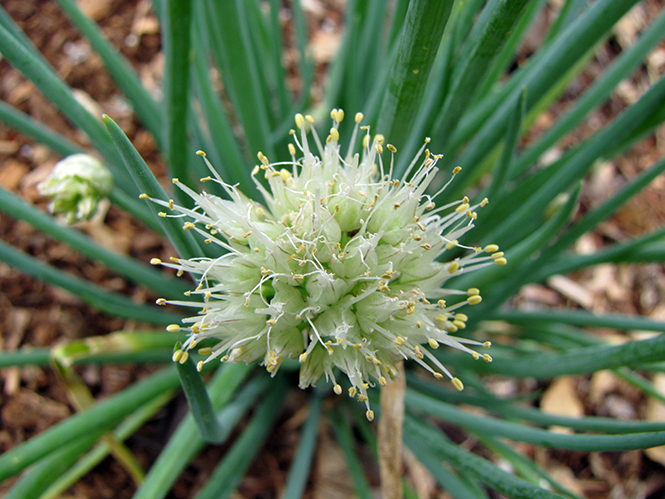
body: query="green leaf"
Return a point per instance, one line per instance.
(52, 475)
(521, 433)
(48, 82)
(488, 36)
(419, 436)
(620, 68)
(300, 468)
(229, 472)
(418, 45)
(182, 241)
(344, 437)
(232, 50)
(186, 442)
(574, 361)
(541, 75)
(510, 144)
(121, 71)
(176, 22)
(104, 300)
(128, 267)
(98, 420)
(199, 402)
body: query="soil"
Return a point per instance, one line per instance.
(34, 314)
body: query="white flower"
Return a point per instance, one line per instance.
(339, 268)
(77, 184)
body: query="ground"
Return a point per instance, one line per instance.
(31, 313)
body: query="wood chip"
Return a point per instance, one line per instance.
(571, 290)
(11, 173)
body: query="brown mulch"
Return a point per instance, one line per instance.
(34, 314)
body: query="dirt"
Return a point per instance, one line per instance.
(31, 313)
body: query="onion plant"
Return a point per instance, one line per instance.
(337, 253)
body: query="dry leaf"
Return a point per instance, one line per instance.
(571, 290)
(561, 399)
(332, 479)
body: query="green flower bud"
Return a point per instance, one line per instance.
(77, 184)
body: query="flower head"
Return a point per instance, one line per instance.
(341, 267)
(77, 184)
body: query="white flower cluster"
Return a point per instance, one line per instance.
(339, 268)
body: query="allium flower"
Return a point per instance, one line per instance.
(77, 184)
(340, 268)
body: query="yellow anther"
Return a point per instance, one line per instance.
(498, 254)
(359, 117)
(285, 174)
(380, 139)
(461, 208)
(459, 324)
(437, 375)
(175, 180)
(309, 118)
(379, 148)
(255, 170)
(426, 246)
(428, 140)
(472, 291)
(461, 317)
(160, 301)
(300, 120)
(382, 381)
(334, 134)
(451, 328)
(340, 115)
(292, 150)
(353, 391)
(362, 398)
(453, 267)
(271, 322)
(399, 341)
(451, 245)
(501, 261)
(487, 357)
(199, 366)
(419, 324)
(474, 300)
(357, 346)
(416, 237)
(487, 344)
(162, 214)
(205, 351)
(366, 141)
(247, 234)
(475, 355)
(337, 389)
(193, 344)
(392, 148)
(433, 343)
(484, 202)
(155, 261)
(419, 354)
(456, 170)
(410, 308)
(171, 204)
(302, 357)
(441, 303)
(369, 415)
(177, 355)
(421, 226)
(184, 358)
(201, 153)
(188, 225)
(457, 383)
(173, 328)
(491, 248)
(144, 196)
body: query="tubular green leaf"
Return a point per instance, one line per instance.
(182, 241)
(104, 300)
(418, 45)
